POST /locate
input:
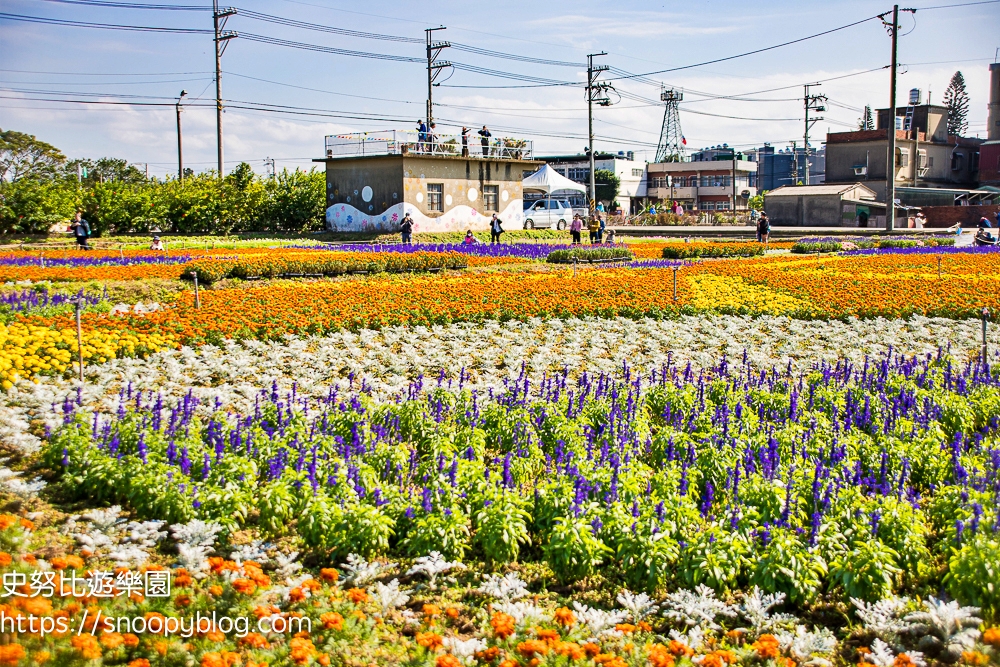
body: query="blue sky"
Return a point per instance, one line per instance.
(77, 63)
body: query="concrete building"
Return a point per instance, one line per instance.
(851, 205)
(926, 155)
(373, 179)
(703, 185)
(631, 174)
(989, 152)
(777, 168)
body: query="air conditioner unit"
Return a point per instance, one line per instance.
(861, 171)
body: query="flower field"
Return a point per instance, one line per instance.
(792, 463)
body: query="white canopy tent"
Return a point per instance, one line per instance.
(550, 181)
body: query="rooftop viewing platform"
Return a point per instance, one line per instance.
(410, 142)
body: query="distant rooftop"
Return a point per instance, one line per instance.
(410, 142)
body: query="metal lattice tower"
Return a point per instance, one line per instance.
(671, 147)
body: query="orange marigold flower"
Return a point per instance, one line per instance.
(161, 647)
(644, 626)
(431, 610)
(451, 612)
(255, 640)
(329, 574)
(11, 654)
(323, 660)
(212, 659)
(216, 636)
(301, 650)
(331, 620)
(447, 660)
(41, 657)
(608, 660)
(992, 637)
(488, 654)
(503, 625)
(130, 640)
(5, 559)
(182, 600)
(508, 663)
(571, 650)
(591, 649)
(974, 658)
(357, 596)
(564, 617)
(548, 636)
(529, 648)
(679, 648)
(660, 656)
(244, 586)
(139, 662)
(767, 647)
(111, 640)
(430, 640)
(87, 645)
(181, 578)
(27, 525)
(625, 628)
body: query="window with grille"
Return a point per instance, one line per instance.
(637, 172)
(491, 197)
(435, 192)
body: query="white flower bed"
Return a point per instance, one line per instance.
(389, 359)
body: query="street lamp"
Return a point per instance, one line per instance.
(180, 149)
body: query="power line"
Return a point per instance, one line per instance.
(35, 71)
(274, 41)
(755, 51)
(134, 5)
(101, 26)
(512, 56)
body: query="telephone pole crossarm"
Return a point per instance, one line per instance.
(222, 37)
(596, 92)
(434, 68)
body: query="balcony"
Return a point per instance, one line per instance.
(409, 142)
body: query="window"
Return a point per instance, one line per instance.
(722, 206)
(637, 172)
(707, 206)
(956, 161)
(902, 157)
(579, 174)
(491, 197)
(539, 206)
(434, 197)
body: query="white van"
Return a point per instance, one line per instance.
(546, 213)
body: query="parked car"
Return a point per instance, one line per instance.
(547, 213)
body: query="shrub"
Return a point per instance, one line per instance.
(708, 249)
(803, 247)
(588, 254)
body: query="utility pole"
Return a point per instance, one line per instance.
(596, 92)
(434, 69)
(795, 158)
(812, 103)
(890, 160)
(222, 37)
(269, 166)
(180, 145)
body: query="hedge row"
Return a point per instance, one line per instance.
(212, 270)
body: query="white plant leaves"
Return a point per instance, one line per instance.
(508, 588)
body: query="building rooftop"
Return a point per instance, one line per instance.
(797, 190)
(410, 142)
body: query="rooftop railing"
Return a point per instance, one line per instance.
(408, 142)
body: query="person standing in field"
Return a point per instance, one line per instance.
(575, 227)
(406, 228)
(496, 229)
(763, 228)
(81, 230)
(593, 226)
(485, 138)
(600, 228)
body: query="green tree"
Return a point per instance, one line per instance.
(24, 156)
(106, 169)
(294, 201)
(756, 203)
(956, 98)
(29, 206)
(607, 183)
(866, 122)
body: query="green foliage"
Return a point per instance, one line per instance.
(787, 565)
(573, 551)
(756, 203)
(803, 247)
(956, 98)
(974, 575)
(34, 206)
(446, 532)
(588, 254)
(715, 559)
(705, 250)
(607, 184)
(23, 157)
(866, 570)
(648, 558)
(502, 527)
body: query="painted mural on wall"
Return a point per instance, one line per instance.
(347, 218)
